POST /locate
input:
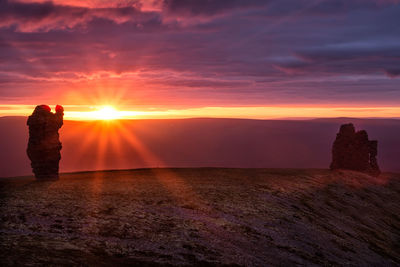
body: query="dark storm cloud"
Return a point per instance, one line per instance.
(364, 57)
(393, 72)
(324, 7)
(270, 7)
(208, 7)
(244, 51)
(46, 16)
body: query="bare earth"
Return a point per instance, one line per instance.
(202, 217)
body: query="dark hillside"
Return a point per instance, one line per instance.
(249, 217)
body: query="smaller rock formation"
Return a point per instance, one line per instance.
(353, 151)
(44, 145)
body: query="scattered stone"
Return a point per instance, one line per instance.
(44, 145)
(353, 151)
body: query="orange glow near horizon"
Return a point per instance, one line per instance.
(104, 113)
(111, 112)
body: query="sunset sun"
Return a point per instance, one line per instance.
(106, 113)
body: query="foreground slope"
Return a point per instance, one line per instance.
(202, 216)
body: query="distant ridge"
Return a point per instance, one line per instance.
(199, 142)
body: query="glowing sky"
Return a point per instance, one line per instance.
(183, 58)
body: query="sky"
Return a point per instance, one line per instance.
(194, 58)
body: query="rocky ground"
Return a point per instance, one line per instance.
(249, 217)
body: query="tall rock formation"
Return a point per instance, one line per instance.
(44, 145)
(353, 151)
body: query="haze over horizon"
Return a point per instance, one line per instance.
(179, 59)
(193, 143)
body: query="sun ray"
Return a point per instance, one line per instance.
(176, 186)
(91, 136)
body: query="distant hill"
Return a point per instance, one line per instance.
(196, 143)
(201, 217)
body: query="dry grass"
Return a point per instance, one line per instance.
(202, 217)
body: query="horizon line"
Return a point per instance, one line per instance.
(220, 118)
(111, 112)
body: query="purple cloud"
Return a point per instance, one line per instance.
(208, 7)
(45, 16)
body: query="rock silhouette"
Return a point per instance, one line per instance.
(353, 151)
(44, 145)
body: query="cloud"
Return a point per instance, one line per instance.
(208, 7)
(45, 16)
(393, 73)
(344, 6)
(356, 58)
